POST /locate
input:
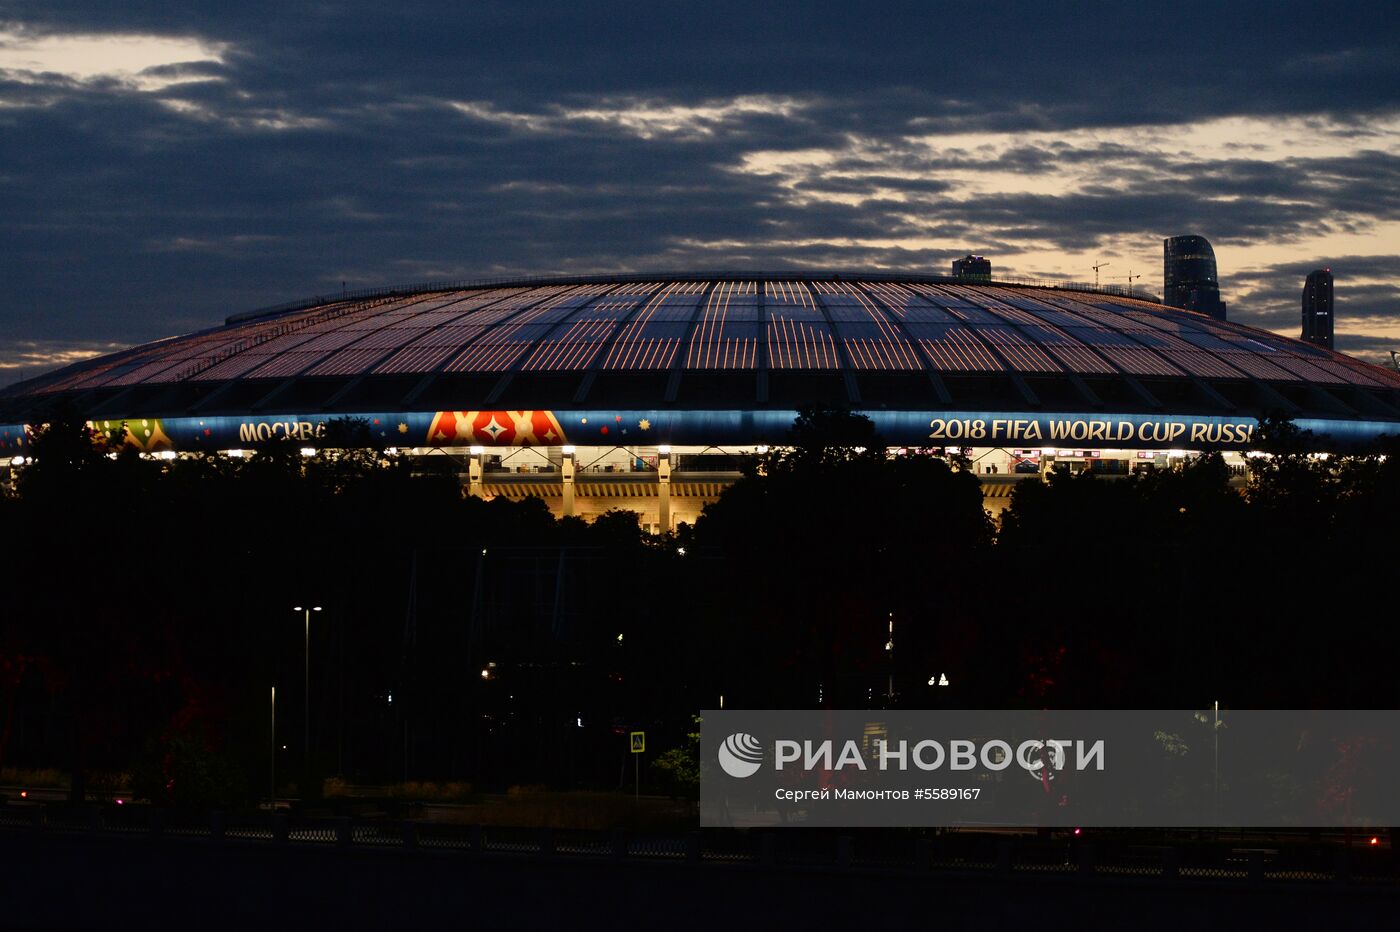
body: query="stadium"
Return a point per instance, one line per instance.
(646, 393)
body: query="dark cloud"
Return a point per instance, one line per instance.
(371, 143)
(1030, 64)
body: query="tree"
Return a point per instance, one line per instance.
(678, 769)
(821, 544)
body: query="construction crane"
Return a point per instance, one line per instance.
(1101, 265)
(1131, 276)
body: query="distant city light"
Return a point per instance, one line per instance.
(308, 451)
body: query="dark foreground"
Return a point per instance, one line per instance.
(74, 880)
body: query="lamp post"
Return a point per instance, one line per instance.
(889, 655)
(306, 747)
(272, 747)
(1215, 764)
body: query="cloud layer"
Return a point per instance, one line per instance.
(159, 169)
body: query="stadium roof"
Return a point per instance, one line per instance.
(721, 341)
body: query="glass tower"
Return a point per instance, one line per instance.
(1189, 279)
(1317, 308)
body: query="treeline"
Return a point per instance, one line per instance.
(147, 606)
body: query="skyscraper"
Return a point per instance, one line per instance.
(974, 267)
(1189, 278)
(1317, 308)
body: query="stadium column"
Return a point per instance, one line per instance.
(567, 471)
(663, 492)
(474, 473)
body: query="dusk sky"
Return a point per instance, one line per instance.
(165, 165)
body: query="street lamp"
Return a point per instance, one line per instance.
(889, 654)
(1215, 762)
(306, 748)
(272, 748)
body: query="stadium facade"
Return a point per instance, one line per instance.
(647, 393)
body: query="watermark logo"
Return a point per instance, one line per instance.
(740, 755)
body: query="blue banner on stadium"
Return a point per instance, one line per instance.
(699, 428)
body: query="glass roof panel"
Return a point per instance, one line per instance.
(1202, 364)
(1019, 352)
(651, 339)
(727, 331)
(1352, 374)
(954, 348)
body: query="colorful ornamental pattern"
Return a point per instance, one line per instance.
(524, 363)
(496, 429)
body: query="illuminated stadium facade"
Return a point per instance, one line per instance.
(646, 393)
